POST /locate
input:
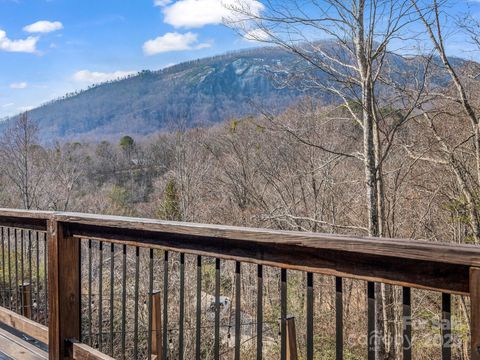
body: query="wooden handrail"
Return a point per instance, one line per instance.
(460, 254)
(421, 264)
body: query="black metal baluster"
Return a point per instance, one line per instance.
(259, 311)
(135, 314)
(182, 307)
(217, 310)
(4, 290)
(150, 296)
(165, 306)
(446, 327)
(90, 339)
(16, 269)
(22, 273)
(112, 287)
(30, 271)
(9, 271)
(372, 338)
(283, 314)
(309, 316)
(100, 297)
(124, 298)
(37, 277)
(198, 326)
(45, 278)
(339, 317)
(238, 279)
(407, 323)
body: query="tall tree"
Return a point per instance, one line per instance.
(434, 18)
(343, 48)
(19, 145)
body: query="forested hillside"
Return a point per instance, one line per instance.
(196, 93)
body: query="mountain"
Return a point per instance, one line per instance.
(199, 92)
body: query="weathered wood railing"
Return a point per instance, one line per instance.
(72, 238)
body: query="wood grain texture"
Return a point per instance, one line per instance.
(401, 248)
(84, 352)
(23, 324)
(157, 350)
(292, 353)
(19, 349)
(475, 312)
(27, 219)
(63, 287)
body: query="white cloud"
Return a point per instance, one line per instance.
(19, 85)
(7, 105)
(198, 13)
(88, 76)
(161, 3)
(43, 26)
(173, 41)
(27, 45)
(257, 35)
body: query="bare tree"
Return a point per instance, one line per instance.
(19, 145)
(433, 17)
(350, 65)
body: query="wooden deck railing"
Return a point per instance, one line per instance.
(77, 322)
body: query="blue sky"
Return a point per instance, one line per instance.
(51, 47)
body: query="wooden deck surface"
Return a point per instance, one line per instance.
(15, 347)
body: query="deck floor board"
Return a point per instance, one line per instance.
(13, 347)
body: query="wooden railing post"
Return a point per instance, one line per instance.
(475, 312)
(156, 326)
(26, 295)
(63, 289)
(291, 339)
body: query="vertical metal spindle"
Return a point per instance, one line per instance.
(182, 307)
(90, 340)
(124, 298)
(165, 306)
(238, 279)
(198, 325)
(37, 277)
(30, 270)
(150, 298)
(372, 338)
(339, 318)
(217, 310)
(283, 314)
(112, 287)
(135, 314)
(45, 277)
(446, 327)
(309, 316)
(4, 292)
(259, 311)
(22, 272)
(407, 323)
(9, 270)
(16, 270)
(100, 298)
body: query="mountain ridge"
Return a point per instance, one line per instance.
(195, 93)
